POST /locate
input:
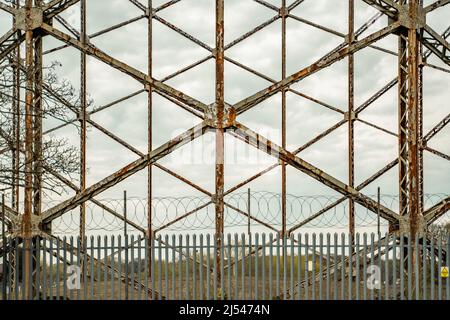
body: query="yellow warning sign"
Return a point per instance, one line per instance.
(444, 272)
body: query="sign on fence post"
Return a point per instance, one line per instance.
(74, 278)
(444, 272)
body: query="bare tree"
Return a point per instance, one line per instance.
(58, 97)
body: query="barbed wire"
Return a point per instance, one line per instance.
(168, 212)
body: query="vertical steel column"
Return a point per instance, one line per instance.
(351, 122)
(16, 153)
(82, 117)
(402, 120)
(28, 198)
(37, 152)
(413, 125)
(420, 124)
(283, 13)
(412, 138)
(15, 193)
(220, 106)
(83, 138)
(37, 120)
(149, 125)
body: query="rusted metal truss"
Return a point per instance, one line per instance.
(407, 20)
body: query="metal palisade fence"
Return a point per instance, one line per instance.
(198, 267)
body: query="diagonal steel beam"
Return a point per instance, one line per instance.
(7, 36)
(273, 149)
(123, 67)
(184, 216)
(125, 172)
(436, 211)
(75, 188)
(321, 135)
(267, 5)
(138, 5)
(251, 217)
(251, 32)
(266, 93)
(298, 93)
(437, 153)
(7, 45)
(444, 35)
(436, 44)
(437, 128)
(123, 142)
(166, 5)
(11, 216)
(8, 9)
(183, 33)
(435, 5)
(68, 26)
(155, 10)
(295, 4)
(387, 7)
(95, 34)
(11, 213)
(55, 7)
(340, 200)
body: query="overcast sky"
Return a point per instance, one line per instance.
(262, 52)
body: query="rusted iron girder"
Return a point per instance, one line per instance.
(283, 12)
(402, 124)
(266, 93)
(337, 202)
(8, 42)
(29, 106)
(125, 172)
(438, 127)
(351, 116)
(437, 153)
(273, 149)
(387, 7)
(414, 215)
(123, 67)
(7, 8)
(220, 139)
(131, 148)
(177, 1)
(93, 35)
(94, 111)
(83, 117)
(435, 5)
(37, 119)
(436, 44)
(55, 7)
(14, 218)
(436, 211)
(320, 136)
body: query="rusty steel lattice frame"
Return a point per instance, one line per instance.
(407, 20)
